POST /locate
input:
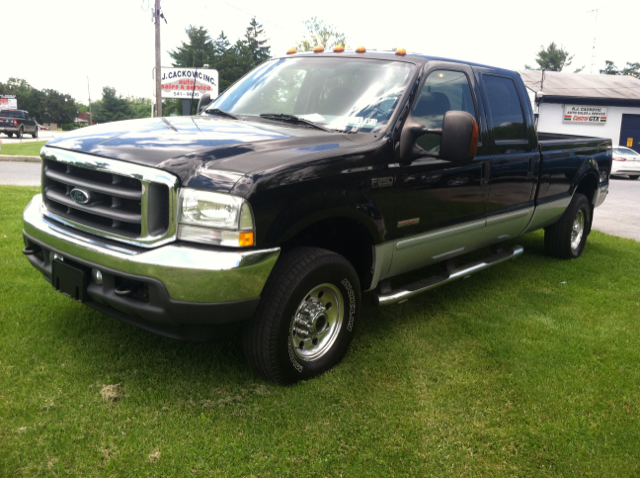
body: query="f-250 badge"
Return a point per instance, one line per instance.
(382, 182)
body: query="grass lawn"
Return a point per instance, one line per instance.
(28, 148)
(528, 369)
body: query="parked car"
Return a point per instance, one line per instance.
(42, 127)
(17, 122)
(626, 162)
(311, 180)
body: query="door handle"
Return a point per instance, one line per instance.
(484, 176)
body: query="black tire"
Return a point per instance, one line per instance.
(634, 177)
(272, 337)
(19, 133)
(35, 133)
(560, 241)
(10, 135)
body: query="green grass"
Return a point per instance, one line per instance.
(527, 369)
(28, 148)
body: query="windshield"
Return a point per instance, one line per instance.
(346, 94)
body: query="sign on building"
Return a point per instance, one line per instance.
(187, 83)
(594, 115)
(8, 102)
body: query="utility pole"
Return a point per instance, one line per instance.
(156, 20)
(593, 49)
(90, 113)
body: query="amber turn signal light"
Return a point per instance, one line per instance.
(245, 239)
(473, 144)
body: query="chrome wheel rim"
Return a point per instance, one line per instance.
(577, 230)
(317, 322)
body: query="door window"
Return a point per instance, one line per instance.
(443, 90)
(505, 108)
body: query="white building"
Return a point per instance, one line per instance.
(607, 106)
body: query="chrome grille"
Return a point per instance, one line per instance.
(126, 202)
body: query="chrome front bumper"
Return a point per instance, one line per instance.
(190, 273)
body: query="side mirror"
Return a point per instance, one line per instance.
(203, 102)
(459, 138)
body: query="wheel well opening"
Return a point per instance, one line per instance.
(588, 186)
(343, 236)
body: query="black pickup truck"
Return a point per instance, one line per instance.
(17, 122)
(313, 179)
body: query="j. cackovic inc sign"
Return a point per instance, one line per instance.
(187, 83)
(594, 115)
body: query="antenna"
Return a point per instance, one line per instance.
(593, 49)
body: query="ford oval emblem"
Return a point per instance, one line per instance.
(81, 197)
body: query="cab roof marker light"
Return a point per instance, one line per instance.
(318, 49)
(401, 52)
(339, 49)
(292, 51)
(361, 49)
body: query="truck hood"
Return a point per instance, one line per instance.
(204, 152)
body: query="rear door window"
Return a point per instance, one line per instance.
(505, 108)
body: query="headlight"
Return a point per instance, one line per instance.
(214, 218)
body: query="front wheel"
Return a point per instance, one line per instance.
(566, 238)
(306, 318)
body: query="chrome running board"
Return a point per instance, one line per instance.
(402, 294)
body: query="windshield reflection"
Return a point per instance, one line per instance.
(340, 93)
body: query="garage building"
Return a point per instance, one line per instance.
(607, 106)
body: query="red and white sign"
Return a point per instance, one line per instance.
(187, 83)
(594, 115)
(8, 102)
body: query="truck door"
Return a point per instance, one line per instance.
(440, 205)
(514, 159)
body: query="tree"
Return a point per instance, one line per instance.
(259, 51)
(320, 34)
(632, 69)
(553, 59)
(112, 107)
(195, 53)
(59, 107)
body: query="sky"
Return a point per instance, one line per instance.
(65, 44)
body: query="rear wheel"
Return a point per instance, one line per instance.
(306, 318)
(634, 177)
(10, 135)
(566, 238)
(35, 133)
(19, 134)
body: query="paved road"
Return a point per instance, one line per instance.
(619, 215)
(19, 173)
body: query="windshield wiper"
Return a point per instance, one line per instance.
(292, 119)
(218, 111)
